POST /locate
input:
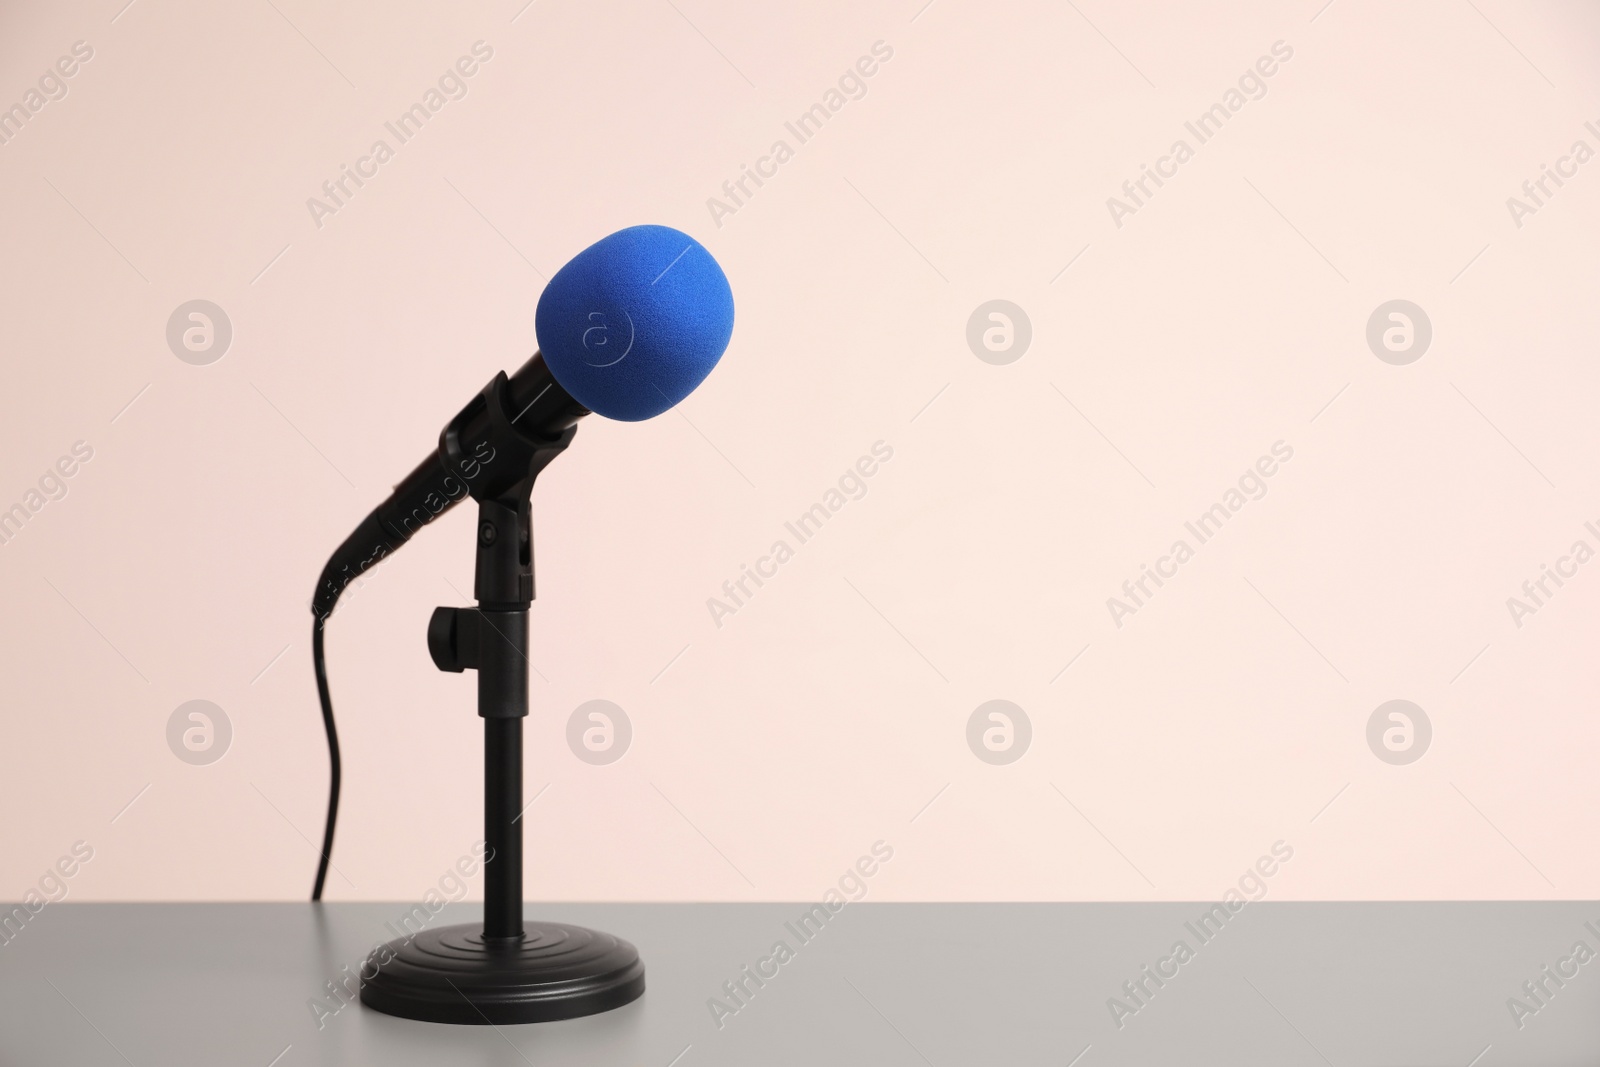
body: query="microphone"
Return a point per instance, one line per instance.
(629, 327)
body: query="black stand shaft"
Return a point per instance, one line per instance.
(504, 588)
(506, 970)
(502, 832)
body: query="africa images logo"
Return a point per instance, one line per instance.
(605, 343)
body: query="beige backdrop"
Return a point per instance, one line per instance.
(1176, 341)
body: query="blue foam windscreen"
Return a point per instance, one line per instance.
(635, 321)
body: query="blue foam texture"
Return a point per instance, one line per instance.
(633, 323)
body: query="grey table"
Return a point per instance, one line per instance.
(883, 984)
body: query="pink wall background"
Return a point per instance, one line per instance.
(1229, 312)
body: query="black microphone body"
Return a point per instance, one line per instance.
(530, 404)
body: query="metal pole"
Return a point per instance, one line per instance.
(502, 832)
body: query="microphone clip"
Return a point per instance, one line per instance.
(495, 457)
(501, 462)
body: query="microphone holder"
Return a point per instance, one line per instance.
(506, 970)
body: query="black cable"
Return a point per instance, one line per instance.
(319, 663)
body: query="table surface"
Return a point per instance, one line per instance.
(916, 984)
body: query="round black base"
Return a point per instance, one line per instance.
(453, 975)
